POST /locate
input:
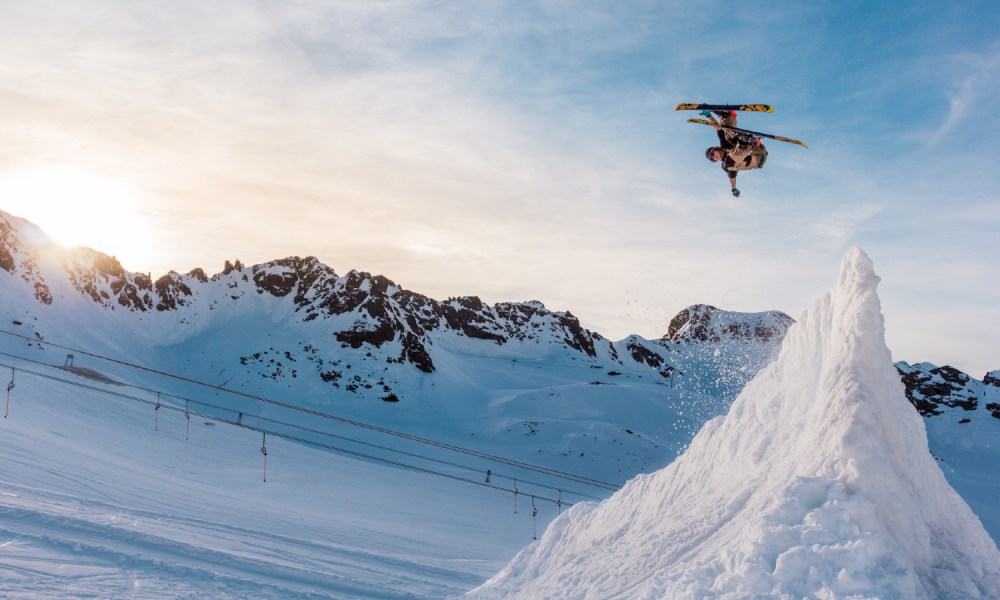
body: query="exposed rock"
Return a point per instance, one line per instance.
(6, 256)
(171, 292)
(704, 323)
(383, 333)
(415, 352)
(276, 283)
(468, 316)
(198, 274)
(992, 378)
(933, 389)
(16, 258)
(644, 355)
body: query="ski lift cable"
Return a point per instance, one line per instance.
(304, 441)
(417, 456)
(242, 414)
(513, 463)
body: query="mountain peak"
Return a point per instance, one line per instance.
(706, 323)
(992, 378)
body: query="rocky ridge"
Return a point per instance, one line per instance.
(362, 313)
(936, 391)
(366, 314)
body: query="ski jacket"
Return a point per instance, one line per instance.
(744, 157)
(742, 152)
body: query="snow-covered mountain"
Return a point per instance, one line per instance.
(358, 310)
(962, 416)
(817, 484)
(295, 330)
(510, 380)
(936, 390)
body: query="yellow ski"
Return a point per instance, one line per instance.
(756, 133)
(740, 107)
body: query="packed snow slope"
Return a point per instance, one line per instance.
(101, 497)
(817, 484)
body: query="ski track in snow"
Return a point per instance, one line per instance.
(110, 547)
(92, 506)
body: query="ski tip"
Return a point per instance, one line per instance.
(791, 141)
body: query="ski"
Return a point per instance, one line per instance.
(756, 133)
(741, 107)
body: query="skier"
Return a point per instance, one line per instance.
(737, 151)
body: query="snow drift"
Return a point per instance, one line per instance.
(818, 483)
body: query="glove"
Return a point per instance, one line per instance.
(736, 192)
(706, 113)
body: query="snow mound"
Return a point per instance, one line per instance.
(817, 484)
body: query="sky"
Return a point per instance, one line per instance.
(525, 150)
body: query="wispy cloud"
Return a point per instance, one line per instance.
(835, 229)
(973, 82)
(368, 117)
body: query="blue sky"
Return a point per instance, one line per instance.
(517, 150)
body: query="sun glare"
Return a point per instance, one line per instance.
(76, 207)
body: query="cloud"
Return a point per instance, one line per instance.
(367, 117)
(835, 229)
(972, 83)
(508, 150)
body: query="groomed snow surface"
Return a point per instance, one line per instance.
(817, 484)
(95, 503)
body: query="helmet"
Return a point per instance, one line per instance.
(708, 153)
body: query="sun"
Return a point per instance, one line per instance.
(78, 207)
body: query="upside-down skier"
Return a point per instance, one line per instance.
(736, 151)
